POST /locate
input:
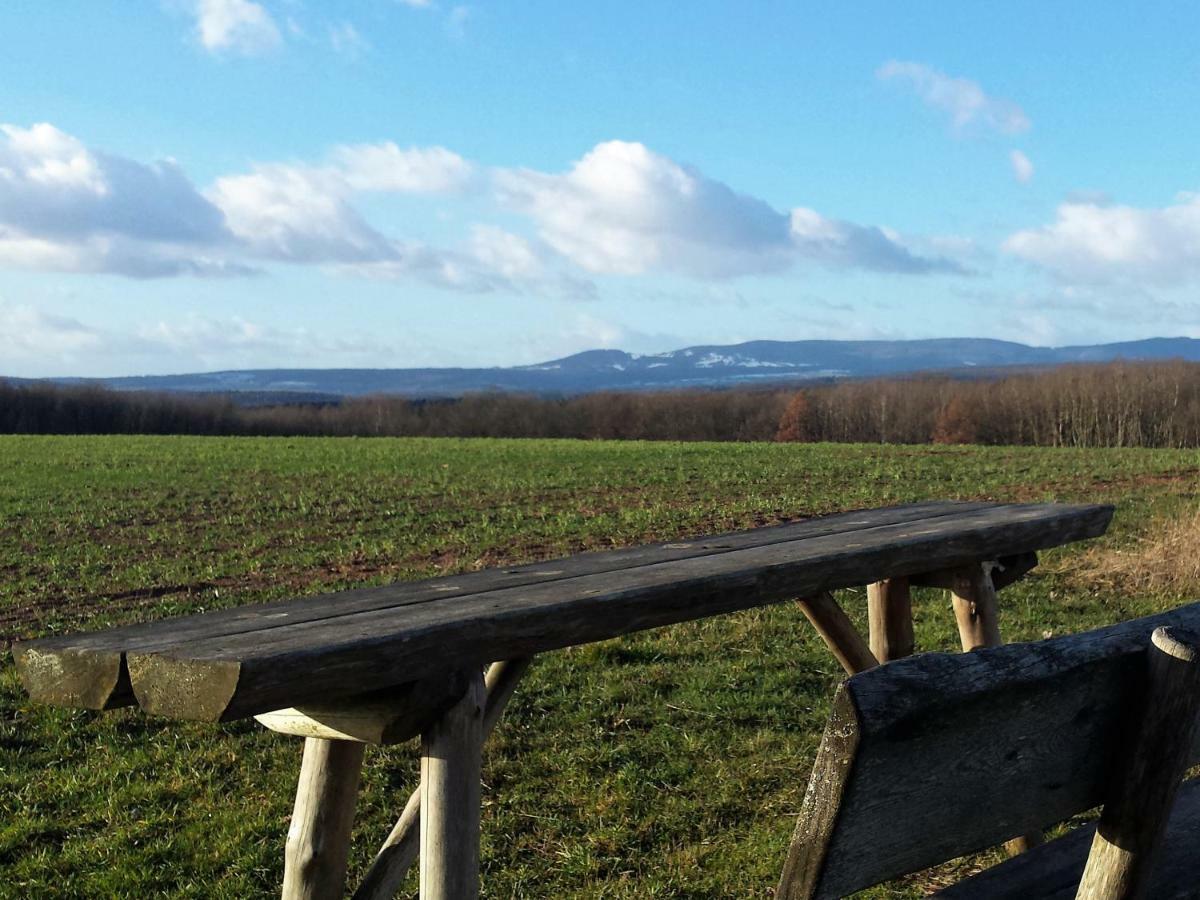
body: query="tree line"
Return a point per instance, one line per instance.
(1111, 405)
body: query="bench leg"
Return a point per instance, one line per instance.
(974, 598)
(889, 612)
(451, 761)
(1139, 804)
(403, 844)
(838, 632)
(318, 839)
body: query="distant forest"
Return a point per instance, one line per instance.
(1112, 405)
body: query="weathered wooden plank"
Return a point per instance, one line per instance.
(973, 596)
(88, 669)
(1030, 733)
(805, 863)
(241, 675)
(1053, 871)
(1138, 803)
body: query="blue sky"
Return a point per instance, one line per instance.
(204, 184)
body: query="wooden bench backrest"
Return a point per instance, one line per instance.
(932, 757)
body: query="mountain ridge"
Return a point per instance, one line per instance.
(706, 365)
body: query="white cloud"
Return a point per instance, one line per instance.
(303, 213)
(1094, 242)
(235, 26)
(415, 170)
(505, 253)
(492, 260)
(624, 209)
(416, 4)
(297, 214)
(65, 207)
(964, 100)
(1021, 166)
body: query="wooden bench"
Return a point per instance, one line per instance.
(386, 664)
(933, 757)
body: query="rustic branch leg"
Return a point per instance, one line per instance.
(403, 844)
(1136, 813)
(838, 632)
(318, 839)
(451, 759)
(889, 611)
(974, 598)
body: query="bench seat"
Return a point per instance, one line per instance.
(1052, 871)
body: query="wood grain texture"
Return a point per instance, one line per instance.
(804, 866)
(318, 838)
(838, 633)
(235, 676)
(451, 760)
(889, 614)
(1127, 842)
(1053, 871)
(403, 844)
(88, 670)
(969, 750)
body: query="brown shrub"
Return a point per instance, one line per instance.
(1165, 560)
(956, 423)
(794, 423)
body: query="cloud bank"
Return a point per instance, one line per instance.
(621, 209)
(625, 210)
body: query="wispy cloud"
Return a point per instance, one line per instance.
(345, 39)
(964, 100)
(1021, 166)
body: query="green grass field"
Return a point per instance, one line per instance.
(665, 764)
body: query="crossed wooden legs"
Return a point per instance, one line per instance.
(440, 822)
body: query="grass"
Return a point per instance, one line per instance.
(665, 764)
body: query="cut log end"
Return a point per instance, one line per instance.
(1181, 643)
(184, 689)
(88, 680)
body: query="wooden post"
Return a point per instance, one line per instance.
(974, 598)
(451, 759)
(403, 844)
(1135, 815)
(839, 633)
(889, 611)
(318, 839)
